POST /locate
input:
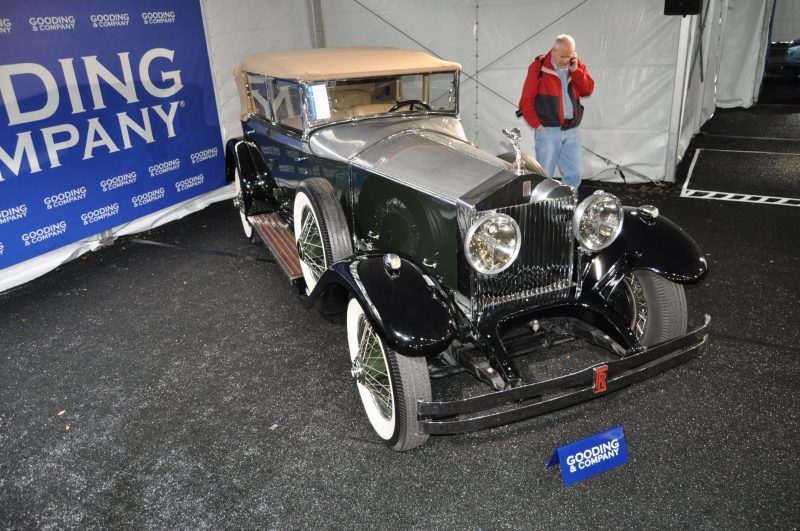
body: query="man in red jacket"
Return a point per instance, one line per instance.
(551, 104)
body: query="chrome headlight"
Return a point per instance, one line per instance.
(492, 243)
(598, 221)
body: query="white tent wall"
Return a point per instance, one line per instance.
(734, 35)
(711, 54)
(235, 29)
(630, 48)
(699, 97)
(745, 26)
(786, 21)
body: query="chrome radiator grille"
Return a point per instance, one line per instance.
(543, 270)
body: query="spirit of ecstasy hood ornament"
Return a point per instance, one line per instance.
(515, 136)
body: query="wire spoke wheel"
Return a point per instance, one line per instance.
(312, 250)
(374, 376)
(320, 229)
(389, 384)
(637, 302)
(654, 307)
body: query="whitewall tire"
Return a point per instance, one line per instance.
(320, 229)
(389, 384)
(247, 228)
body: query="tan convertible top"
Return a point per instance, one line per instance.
(321, 64)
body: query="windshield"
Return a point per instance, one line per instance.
(338, 100)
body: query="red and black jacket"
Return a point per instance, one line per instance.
(541, 94)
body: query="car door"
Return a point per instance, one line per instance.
(276, 127)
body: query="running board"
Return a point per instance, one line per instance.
(275, 234)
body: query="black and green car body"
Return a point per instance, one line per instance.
(355, 170)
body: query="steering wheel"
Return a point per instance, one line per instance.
(410, 103)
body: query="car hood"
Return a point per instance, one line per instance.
(428, 154)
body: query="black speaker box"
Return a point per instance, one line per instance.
(683, 7)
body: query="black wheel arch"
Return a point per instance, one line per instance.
(657, 245)
(258, 184)
(332, 223)
(410, 309)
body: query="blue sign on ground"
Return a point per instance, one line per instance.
(590, 456)
(107, 114)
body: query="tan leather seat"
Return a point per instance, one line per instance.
(371, 108)
(344, 98)
(294, 122)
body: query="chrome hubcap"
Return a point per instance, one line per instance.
(357, 371)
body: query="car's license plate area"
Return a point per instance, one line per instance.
(538, 355)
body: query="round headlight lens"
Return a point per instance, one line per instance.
(492, 243)
(598, 221)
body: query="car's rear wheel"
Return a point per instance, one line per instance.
(654, 306)
(389, 383)
(320, 229)
(240, 202)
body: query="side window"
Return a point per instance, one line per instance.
(259, 96)
(286, 103)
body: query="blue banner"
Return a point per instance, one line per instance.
(591, 456)
(108, 114)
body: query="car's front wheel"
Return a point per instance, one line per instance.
(389, 383)
(320, 229)
(654, 306)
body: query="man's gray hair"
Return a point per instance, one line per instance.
(563, 39)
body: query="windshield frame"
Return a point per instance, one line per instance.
(313, 124)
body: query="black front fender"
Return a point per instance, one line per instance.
(410, 309)
(657, 245)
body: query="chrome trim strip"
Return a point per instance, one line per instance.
(289, 140)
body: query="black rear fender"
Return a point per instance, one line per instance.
(258, 184)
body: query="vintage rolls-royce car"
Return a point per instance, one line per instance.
(355, 171)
